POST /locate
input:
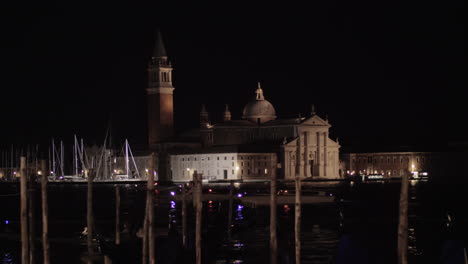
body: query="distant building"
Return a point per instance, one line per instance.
(443, 165)
(391, 164)
(258, 145)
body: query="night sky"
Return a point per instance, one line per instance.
(385, 72)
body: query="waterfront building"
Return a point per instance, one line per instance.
(284, 146)
(391, 164)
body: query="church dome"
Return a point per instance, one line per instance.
(259, 110)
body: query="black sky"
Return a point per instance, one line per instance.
(385, 72)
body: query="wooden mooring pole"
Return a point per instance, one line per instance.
(24, 210)
(403, 222)
(273, 237)
(32, 215)
(184, 217)
(231, 198)
(197, 179)
(89, 215)
(150, 194)
(144, 246)
(297, 220)
(45, 213)
(117, 214)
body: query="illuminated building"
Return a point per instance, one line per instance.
(287, 146)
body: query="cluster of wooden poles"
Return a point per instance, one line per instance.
(28, 215)
(148, 245)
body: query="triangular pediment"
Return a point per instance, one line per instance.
(315, 120)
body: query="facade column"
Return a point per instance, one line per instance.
(298, 157)
(325, 154)
(318, 156)
(306, 155)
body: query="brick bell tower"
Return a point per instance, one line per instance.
(160, 96)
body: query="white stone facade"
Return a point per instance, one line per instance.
(224, 166)
(312, 153)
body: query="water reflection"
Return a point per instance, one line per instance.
(7, 258)
(412, 243)
(240, 215)
(172, 214)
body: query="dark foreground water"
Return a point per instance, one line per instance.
(360, 226)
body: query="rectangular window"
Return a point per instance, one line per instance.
(182, 159)
(225, 158)
(266, 171)
(242, 171)
(232, 158)
(217, 158)
(401, 160)
(242, 163)
(195, 159)
(233, 164)
(208, 158)
(248, 172)
(232, 172)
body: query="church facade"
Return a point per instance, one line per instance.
(254, 147)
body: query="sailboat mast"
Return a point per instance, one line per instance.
(53, 157)
(61, 157)
(126, 157)
(75, 152)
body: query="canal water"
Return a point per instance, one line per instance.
(359, 226)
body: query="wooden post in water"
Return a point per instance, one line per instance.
(117, 214)
(151, 211)
(32, 215)
(24, 215)
(403, 222)
(144, 246)
(231, 197)
(197, 179)
(45, 213)
(273, 237)
(297, 217)
(89, 215)
(184, 217)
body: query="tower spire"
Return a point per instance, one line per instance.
(159, 48)
(204, 119)
(227, 114)
(312, 110)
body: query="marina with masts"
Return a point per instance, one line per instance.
(72, 163)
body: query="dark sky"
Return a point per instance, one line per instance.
(385, 72)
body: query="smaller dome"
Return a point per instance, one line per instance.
(259, 110)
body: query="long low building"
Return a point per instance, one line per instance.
(224, 166)
(435, 165)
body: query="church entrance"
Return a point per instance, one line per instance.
(225, 174)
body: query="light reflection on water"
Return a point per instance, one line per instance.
(7, 258)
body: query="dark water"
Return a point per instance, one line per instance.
(360, 227)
